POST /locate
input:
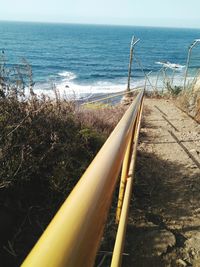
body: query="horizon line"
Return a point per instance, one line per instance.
(99, 24)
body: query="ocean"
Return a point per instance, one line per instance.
(93, 59)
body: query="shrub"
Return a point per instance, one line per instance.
(45, 146)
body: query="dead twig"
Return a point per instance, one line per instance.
(20, 165)
(10, 249)
(29, 113)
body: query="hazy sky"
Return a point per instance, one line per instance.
(173, 13)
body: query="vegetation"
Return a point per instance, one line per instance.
(45, 146)
(187, 99)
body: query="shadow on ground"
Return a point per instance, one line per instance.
(164, 207)
(164, 217)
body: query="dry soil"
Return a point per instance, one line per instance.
(164, 218)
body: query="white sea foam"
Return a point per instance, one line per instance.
(70, 89)
(170, 65)
(78, 91)
(67, 75)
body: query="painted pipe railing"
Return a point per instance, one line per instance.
(73, 236)
(125, 194)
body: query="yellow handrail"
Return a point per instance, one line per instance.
(119, 242)
(73, 236)
(110, 96)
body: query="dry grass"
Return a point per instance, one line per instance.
(45, 146)
(101, 119)
(189, 101)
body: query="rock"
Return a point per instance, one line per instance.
(192, 245)
(197, 211)
(181, 262)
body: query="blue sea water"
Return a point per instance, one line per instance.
(94, 58)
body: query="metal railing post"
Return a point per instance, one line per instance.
(120, 238)
(123, 180)
(188, 60)
(134, 41)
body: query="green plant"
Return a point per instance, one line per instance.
(173, 90)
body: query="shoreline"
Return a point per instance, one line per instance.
(69, 89)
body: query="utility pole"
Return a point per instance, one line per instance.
(134, 41)
(188, 60)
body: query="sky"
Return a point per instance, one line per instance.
(163, 13)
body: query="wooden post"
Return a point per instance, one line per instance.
(134, 41)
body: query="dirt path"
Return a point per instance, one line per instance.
(164, 224)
